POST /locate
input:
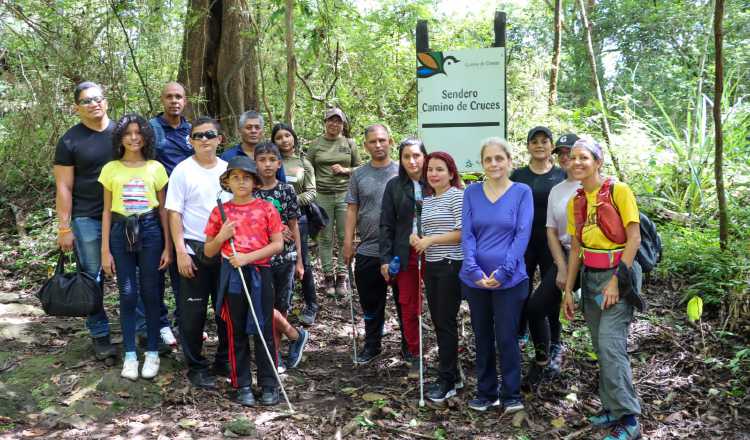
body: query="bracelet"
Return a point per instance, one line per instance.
(61, 231)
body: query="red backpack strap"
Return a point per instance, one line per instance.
(580, 207)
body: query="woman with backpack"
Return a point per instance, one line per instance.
(603, 221)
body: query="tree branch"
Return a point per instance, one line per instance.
(132, 56)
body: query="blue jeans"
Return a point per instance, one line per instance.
(496, 316)
(138, 275)
(88, 242)
(174, 280)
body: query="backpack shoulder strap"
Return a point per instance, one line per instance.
(580, 208)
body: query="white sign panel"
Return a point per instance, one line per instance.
(461, 101)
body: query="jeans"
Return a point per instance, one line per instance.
(443, 290)
(495, 316)
(174, 281)
(88, 243)
(335, 205)
(138, 275)
(609, 335)
(308, 280)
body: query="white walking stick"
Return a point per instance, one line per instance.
(419, 310)
(252, 309)
(351, 311)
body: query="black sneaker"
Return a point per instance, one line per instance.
(103, 348)
(482, 404)
(440, 392)
(556, 359)
(296, 349)
(202, 379)
(244, 396)
(270, 396)
(367, 355)
(512, 406)
(307, 317)
(534, 376)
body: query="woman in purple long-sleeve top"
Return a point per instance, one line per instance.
(496, 220)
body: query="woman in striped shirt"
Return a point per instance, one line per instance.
(441, 246)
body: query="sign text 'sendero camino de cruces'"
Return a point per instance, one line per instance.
(461, 101)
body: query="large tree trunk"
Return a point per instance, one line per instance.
(218, 66)
(555, 54)
(719, 140)
(598, 89)
(291, 64)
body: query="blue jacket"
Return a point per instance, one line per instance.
(172, 145)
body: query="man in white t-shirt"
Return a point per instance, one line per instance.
(191, 195)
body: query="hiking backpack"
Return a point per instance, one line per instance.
(610, 223)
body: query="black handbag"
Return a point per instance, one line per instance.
(317, 217)
(70, 294)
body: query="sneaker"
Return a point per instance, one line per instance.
(328, 284)
(482, 404)
(342, 285)
(512, 407)
(167, 336)
(603, 419)
(556, 359)
(130, 369)
(150, 366)
(202, 379)
(269, 396)
(296, 349)
(161, 347)
(103, 348)
(205, 336)
(307, 317)
(440, 392)
(281, 366)
(624, 431)
(522, 341)
(366, 356)
(534, 376)
(244, 396)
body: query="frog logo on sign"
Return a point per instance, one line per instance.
(432, 63)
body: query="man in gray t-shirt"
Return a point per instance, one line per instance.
(364, 199)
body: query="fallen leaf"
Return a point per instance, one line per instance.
(518, 419)
(674, 417)
(349, 390)
(558, 422)
(187, 423)
(572, 397)
(372, 397)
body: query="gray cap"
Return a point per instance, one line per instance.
(335, 111)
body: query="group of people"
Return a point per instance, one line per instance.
(234, 230)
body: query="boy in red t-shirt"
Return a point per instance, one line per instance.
(255, 226)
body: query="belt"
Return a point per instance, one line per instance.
(117, 217)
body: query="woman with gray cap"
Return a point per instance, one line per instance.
(603, 221)
(334, 157)
(540, 175)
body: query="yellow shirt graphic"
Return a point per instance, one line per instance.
(593, 237)
(133, 189)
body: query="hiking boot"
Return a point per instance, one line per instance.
(270, 396)
(342, 284)
(482, 404)
(307, 317)
(296, 349)
(366, 356)
(603, 419)
(412, 362)
(244, 396)
(534, 376)
(328, 284)
(202, 379)
(104, 349)
(625, 431)
(440, 392)
(556, 359)
(512, 407)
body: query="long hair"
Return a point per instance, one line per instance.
(408, 142)
(449, 163)
(147, 133)
(284, 126)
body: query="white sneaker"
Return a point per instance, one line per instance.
(205, 336)
(150, 367)
(130, 369)
(167, 336)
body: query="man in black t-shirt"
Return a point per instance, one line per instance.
(79, 157)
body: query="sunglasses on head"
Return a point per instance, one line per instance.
(208, 135)
(87, 101)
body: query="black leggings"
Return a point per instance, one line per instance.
(537, 256)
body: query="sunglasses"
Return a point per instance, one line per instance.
(91, 100)
(208, 135)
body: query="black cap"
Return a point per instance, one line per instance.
(539, 129)
(243, 163)
(566, 141)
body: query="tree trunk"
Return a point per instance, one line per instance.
(291, 65)
(218, 62)
(598, 89)
(555, 54)
(719, 140)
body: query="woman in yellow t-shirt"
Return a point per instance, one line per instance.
(607, 313)
(135, 235)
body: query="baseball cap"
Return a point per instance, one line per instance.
(565, 141)
(335, 111)
(243, 163)
(539, 129)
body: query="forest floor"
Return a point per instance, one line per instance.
(52, 387)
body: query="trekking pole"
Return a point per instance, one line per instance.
(252, 309)
(419, 310)
(351, 311)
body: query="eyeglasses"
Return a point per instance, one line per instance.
(91, 100)
(208, 135)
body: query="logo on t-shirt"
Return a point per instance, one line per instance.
(134, 198)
